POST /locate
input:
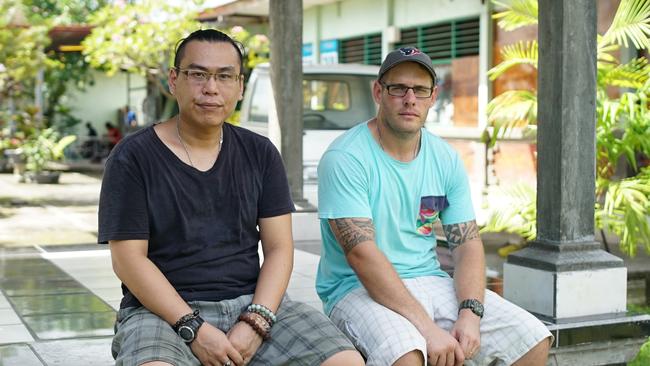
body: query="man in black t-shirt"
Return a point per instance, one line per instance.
(183, 206)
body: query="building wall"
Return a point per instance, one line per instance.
(418, 12)
(101, 102)
(344, 19)
(353, 18)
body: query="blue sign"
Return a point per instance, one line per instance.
(329, 51)
(308, 54)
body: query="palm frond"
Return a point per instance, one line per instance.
(515, 213)
(633, 74)
(513, 108)
(520, 53)
(632, 21)
(518, 13)
(626, 210)
(604, 51)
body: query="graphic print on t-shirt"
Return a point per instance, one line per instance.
(430, 207)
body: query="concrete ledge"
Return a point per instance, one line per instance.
(617, 352)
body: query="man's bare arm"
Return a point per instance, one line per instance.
(469, 259)
(459, 233)
(145, 281)
(351, 232)
(153, 290)
(469, 280)
(357, 238)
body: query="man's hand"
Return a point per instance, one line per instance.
(442, 348)
(245, 340)
(467, 332)
(213, 348)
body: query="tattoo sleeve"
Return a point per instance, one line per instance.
(457, 234)
(350, 232)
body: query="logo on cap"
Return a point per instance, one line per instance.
(409, 51)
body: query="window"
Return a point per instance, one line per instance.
(320, 95)
(260, 102)
(362, 50)
(453, 47)
(336, 102)
(444, 41)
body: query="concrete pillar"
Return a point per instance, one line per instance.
(564, 274)
(285, 18)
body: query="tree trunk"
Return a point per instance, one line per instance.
(286, 78)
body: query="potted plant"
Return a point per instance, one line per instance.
(41, 149)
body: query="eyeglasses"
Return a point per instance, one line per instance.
(400, 90)
(202, 77)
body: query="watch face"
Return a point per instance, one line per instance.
(477, 307)
(186, 333)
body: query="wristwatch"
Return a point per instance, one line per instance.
(474, 305)
(189, 329)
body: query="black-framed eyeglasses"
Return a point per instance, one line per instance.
(201, 76)
(400, 90)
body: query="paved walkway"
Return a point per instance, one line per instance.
(58, 292)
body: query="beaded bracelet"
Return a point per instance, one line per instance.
(185, 318)
(260, 326)
(263, 311)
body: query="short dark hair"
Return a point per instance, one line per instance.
(208, 35)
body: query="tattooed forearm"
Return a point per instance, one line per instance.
(351, 232)
(459, 233)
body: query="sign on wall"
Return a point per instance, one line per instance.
(308, 54)
(329, 51)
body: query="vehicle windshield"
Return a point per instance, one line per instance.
(330, 102)
(336, 102)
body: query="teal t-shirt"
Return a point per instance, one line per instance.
(358, 179)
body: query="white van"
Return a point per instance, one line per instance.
(335, 98)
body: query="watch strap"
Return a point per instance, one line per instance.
(193, 325)
(472, 304)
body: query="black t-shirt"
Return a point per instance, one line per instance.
(201, 226)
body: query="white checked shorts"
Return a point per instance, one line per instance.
(383, 336)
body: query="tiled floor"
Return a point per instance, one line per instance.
(57, 307)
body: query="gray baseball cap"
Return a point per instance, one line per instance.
(405, 54)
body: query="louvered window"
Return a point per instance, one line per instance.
(444, 41)
(363, 50)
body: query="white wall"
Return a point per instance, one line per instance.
(100, 102)
(408, 13)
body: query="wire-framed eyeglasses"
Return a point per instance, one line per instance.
(201, 76)
(400, 90)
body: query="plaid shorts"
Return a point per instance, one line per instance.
(382, 335)
(301, 336)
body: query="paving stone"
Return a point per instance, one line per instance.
(18, 355)
(15, 333)
(62, 326)
(9, 317)
(56, 304)
(76, 352)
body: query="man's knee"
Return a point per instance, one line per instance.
(156, 363)
(536, 355)
(413, 358)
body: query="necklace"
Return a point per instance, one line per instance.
(187, 152)
(415, 149)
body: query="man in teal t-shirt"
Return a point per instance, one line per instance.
(382, 186)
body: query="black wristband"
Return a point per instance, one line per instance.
(184, 319)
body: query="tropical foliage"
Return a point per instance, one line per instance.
(141, 37)
(24, 27)
(21, 51)
(138, 38)
(44, 147)
(622, 127)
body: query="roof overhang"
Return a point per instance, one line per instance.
(67, 38)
